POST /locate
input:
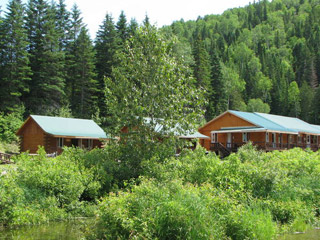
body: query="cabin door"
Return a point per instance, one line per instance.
(229, 140)
(274, 140)
(308, 141)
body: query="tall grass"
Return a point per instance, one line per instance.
(249, 195)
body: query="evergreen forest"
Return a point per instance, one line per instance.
(264, 57)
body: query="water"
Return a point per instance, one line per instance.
(71, 230)
(313, 234)
(75, 230)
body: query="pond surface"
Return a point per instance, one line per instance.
(75, 230)
(71, 230)
(313, 234)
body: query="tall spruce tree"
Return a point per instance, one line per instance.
(217, 98)
(46, 61)
(71, 50)
(15, 72)
(201, 68)
(133, 26)
(62, 24)
(85, 90)
(122, 28)
(202, 73)
(106, 45)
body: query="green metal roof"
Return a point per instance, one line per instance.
(294, 124)
(277, 123)
(195, 135)
(72, 127)
(259, 121)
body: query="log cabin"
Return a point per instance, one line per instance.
(268, 132)
(53, 133)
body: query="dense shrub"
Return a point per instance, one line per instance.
(160, 211)
(245, 196)
(39, 189)
(9, 124)
(175, 210)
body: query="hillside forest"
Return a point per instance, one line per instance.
(264, 57)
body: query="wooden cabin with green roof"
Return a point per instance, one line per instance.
(268, 132)
(53, 133)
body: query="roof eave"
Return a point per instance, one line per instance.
(77, 137)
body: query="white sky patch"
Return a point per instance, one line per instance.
(161, 13)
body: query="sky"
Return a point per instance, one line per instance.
(160, 13)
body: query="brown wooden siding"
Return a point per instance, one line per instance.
(227, 120)
(32, 137)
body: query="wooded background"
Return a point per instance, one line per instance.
(264, 57)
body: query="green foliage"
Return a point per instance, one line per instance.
(157, 211)
(294, 98)
(40, 189)
(106, 45)
(245, 196)
(9, 125)
(150, 82)
(84, 86)
(148, 88)
(256, 105)
(46, 60)
(255, 52)
(15, 71)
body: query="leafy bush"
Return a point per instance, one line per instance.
(9, 124)
(175, 210)
(39, 189)
(244, 196)
(247, 223)
(160, 211)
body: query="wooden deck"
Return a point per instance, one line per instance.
(226, 148)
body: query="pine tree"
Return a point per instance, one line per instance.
(83, 102)
(46, 61)
(218, 101)
(201, 68)
(307, 97)
(105, 47)
(63, 24)
(133, 26)
(202, 73)
(122, 28)
(71, 60)
(75, 24)
(15, 72)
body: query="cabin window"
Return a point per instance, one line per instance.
(290, 138)
(214, 137)
(245, 137)
(314, 139)
(308, 139)
(60, 142)
(280, 138)
(299, 138)
(267, 137)
(90, 143)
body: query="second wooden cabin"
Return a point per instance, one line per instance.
(232, 129)
(55, 132)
